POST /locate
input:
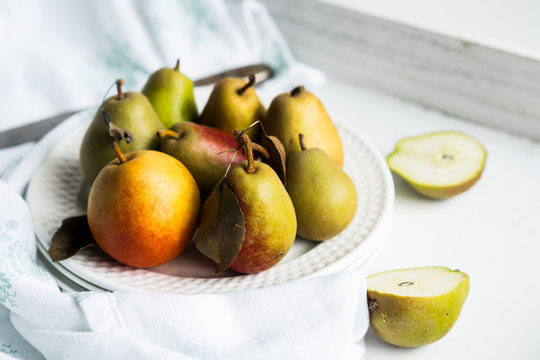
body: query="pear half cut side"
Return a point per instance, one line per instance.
(439, 165)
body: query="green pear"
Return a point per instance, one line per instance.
(248, 222)
(131, 111)
(301, 112)
(439, 165)
(324, 196)
(414, 307)
(233, 104)
(171, 94)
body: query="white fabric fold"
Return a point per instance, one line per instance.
(319, 318)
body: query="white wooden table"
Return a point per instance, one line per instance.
(491, 232)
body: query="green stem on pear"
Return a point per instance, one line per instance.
(249, 84)
(177, 66)
(168, 133)
(301, 140)
(297, 91)
(120, 94)
(119, 154)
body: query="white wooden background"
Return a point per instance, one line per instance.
(455, 76)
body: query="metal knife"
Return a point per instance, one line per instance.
(38, 129)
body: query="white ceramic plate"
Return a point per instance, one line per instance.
(58, 190)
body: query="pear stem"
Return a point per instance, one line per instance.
(249, 84)
(119, 84)
(177, 66)
(297, 90)
(301, 140)
(245, 142)
(168, 133)
(118, 152)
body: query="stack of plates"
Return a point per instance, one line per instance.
(58, 190)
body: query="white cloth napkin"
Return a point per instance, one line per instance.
(61, 55)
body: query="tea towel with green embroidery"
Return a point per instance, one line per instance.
(319, 318)
(61, 56)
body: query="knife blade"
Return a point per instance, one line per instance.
(38, 129)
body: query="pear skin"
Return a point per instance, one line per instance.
(248, 222)
(171, 94)
(301, 112)
(204, 150)
(233, 104)
(324, 196)
(415, 307)
(132, 112)
(142, 210)
(270, 217)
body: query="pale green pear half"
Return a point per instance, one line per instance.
(415, 307)
(439, 165)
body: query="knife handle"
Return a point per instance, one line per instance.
(37, 129)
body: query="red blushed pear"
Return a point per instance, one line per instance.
(248, 223)
(204, 150)
(143, 208)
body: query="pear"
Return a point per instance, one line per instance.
(324, 196)
(143, 208)
(204, 150)
(440, 164)
(414, 307)
(131, 111)
(171, 94)
(233, 104)
(248, 223)
(301, 112)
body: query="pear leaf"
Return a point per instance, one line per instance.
(115, 131)
(277, 156)
(71, 237)
(221, 227)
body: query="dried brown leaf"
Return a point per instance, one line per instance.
(221, 227)
(116, 132)
(72, 236)
(277, 156)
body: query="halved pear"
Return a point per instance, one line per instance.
(414, 307)
(439, 165)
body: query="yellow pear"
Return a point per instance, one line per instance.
(233, 104)
(301, 112)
